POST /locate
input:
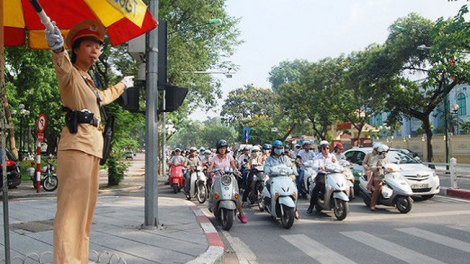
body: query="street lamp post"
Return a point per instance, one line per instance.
(455, 110)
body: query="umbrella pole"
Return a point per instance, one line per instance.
(6, 224)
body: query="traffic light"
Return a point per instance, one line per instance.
(129, 100)
(174, 97)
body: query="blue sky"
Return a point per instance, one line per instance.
(277, 30)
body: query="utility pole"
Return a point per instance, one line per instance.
(151, 149)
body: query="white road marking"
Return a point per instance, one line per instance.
(316, 250)
(460, 227)
(244, 253)
(436, 238)
(390, 248)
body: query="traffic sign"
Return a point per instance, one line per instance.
(41, 124)
(246, 134)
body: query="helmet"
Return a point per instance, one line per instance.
(339, 145)
(266, 146)
(277, 144)
(222, 143)
(382, 148)
(192, 149)
(324, 143)
(297, 146)
(246, 148)
(255, 148)
(306, 142)
(207, 152)
(177, 150)
(375, 145)
(202, 149)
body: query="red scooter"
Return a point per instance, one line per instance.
(176, 177)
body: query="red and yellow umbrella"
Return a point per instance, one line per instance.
(123, 19)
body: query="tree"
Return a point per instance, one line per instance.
(441, 66)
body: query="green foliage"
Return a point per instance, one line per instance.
(197, 134)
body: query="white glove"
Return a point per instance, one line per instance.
(128, 81)
(54, 39)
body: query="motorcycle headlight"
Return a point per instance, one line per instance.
(226, 180)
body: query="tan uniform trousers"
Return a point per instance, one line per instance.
(77, 193)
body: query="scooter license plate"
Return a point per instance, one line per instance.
(419, 186)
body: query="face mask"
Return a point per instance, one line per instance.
(278, 151)
(382, 155)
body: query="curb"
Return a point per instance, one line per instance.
(215, 251)
(459, 193)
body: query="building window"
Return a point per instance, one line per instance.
(461, 101)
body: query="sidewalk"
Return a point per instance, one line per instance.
(117, 236)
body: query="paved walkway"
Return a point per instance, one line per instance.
(117, 236)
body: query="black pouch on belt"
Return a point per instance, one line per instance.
(71, 120)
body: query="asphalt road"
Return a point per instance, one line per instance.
(435, 231)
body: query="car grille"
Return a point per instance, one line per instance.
(422, 190)
(418, 177)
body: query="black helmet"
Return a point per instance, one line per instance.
(222, 143)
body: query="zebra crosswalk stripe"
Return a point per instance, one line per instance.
(391, 248)
(316, 250)
(436, 238)
(460, 227)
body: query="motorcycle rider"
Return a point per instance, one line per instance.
(277, 157)
(256, 159)
(201, 153)
(320, 162)
(242, 162)
(191, 163)
(221, 160)
(338, 151)
(367, 164)
(378, 163)
(303, 156)
(177, 158)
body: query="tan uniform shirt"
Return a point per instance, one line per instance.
(77, 95)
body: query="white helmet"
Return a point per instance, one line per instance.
(255, 148)
(324, 143)
(381, 148)
(376, 145)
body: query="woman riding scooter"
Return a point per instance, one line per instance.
(322, 159)
(378, 164)
(222, 160)
(277, 158)
(256, 159)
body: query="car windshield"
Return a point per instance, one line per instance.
(399, 157)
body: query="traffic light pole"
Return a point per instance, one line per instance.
(151, 149)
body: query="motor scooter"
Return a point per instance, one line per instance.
(309, 176)
(257, 185)
(396, 191)
(176, 176)
(347, 171)
(280, 195)
(197, 185)
(49, 180)
(225, 197)
(334, 192)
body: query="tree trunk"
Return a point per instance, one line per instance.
(288, 132)
(427, 130)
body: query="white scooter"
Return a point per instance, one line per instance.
(224, 199)
(349, 177)
(280, 195)
(396, 191)
(197, 185)
(334, 192)
(309, 176)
